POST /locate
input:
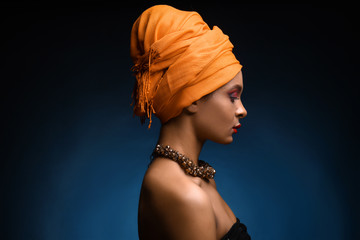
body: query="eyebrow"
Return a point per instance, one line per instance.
(236, 86)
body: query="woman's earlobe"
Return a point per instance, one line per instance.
(193, 108)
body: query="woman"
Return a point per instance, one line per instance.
(189, 78)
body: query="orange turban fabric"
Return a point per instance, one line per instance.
(177, 60)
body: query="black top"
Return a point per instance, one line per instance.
(238, 231)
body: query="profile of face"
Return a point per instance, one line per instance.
(218, 114)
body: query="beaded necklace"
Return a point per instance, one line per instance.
(203, 170)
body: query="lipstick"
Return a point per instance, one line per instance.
(236, 128)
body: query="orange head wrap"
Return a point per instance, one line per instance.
(178, 59)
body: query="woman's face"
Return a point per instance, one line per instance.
(219, 114)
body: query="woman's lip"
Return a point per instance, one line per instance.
(237, 126)
(235, 129)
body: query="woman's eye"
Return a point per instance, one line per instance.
(234, 96)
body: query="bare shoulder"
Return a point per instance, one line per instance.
(179, 202)
(164, 179)
(212, 183)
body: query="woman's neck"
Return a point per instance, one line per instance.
(180, 136)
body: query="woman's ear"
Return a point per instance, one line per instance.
(193, 108)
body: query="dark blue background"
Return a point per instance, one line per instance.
(73, 157)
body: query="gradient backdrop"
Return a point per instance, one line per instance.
(73, 157)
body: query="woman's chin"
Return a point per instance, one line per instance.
(225, 141)
(230, 140)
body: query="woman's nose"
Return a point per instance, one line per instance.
(241, 111)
